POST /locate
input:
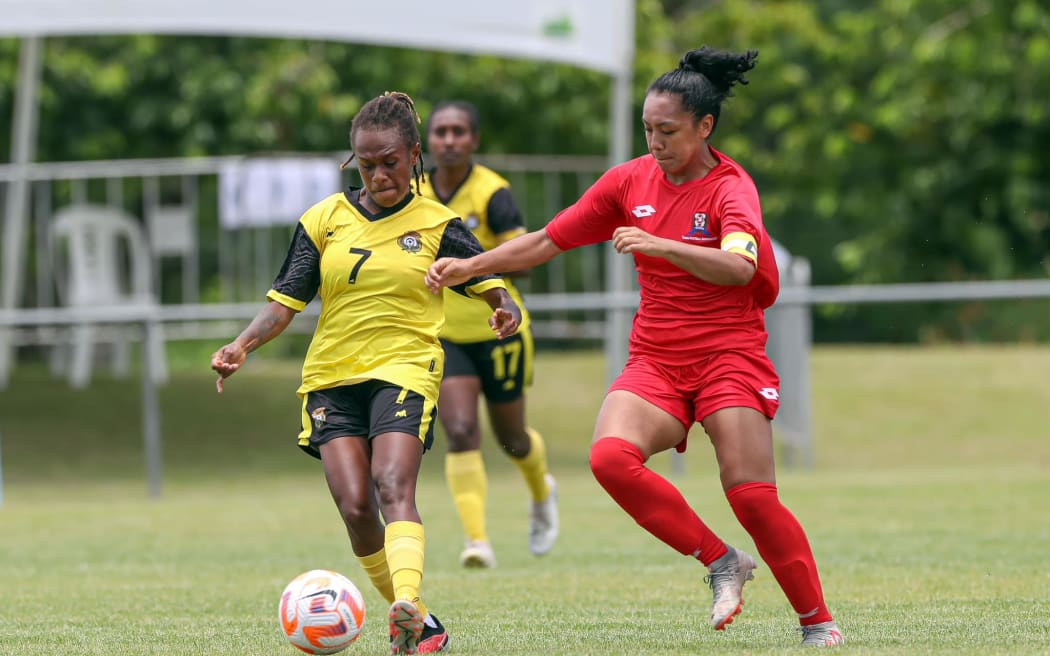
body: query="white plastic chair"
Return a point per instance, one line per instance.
(102, 258)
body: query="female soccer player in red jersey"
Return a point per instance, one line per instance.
(373, 370)
(690, 217)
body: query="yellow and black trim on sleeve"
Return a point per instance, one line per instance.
(459, 242)
(510, 234)
(300, 276)
(477, 289)
(285, 300)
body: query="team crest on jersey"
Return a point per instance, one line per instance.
(318, 415)
(410, 242)
(701, 230)
(473, 222)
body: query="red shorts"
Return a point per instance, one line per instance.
(691, 392)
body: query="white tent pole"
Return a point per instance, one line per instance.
(23, 151)
(618, 267)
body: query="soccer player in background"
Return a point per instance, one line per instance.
(476, 362)
(373, 370)
(690, 217)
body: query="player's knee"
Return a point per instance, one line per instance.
(395, 491)
(357, 514)
(613, 460)
(515, 443)
(462, 434)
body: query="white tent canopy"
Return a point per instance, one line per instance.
(595, 34)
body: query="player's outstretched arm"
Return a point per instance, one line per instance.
(524, 252)
(267, 324)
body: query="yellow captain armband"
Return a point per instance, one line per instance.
(741, 243)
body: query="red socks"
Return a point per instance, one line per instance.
(660, 508)
(783, 545)
(652, 501)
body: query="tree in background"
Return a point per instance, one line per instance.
(897, 141)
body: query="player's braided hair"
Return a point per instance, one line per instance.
(704, 78)
(393, 109)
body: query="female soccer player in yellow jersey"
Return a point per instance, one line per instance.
(476, 362)
(372, 373)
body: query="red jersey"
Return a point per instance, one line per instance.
(682, 318)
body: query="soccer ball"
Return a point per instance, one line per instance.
(321, 612)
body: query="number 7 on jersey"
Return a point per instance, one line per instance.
(365, 254)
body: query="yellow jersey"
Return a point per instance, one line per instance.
(378, 319)
(485, 204)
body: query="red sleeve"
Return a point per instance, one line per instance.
(741, 211)
(593, 218)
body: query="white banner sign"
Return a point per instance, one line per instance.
(261, 192)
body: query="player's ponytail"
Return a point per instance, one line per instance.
(704, 78)
(722, 68)
(406, 100)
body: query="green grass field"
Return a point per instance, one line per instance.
(928, 513)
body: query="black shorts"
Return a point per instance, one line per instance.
(366, 409)
(503, 365)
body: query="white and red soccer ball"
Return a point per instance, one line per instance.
(321, 612)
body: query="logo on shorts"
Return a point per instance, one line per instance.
(318, 416)
(410, 242)
(401, 413)
(770, 393)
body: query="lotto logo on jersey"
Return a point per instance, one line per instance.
(643, 211)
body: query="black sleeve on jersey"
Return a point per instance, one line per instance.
(459, 242)
(503, 213)
(300, 275)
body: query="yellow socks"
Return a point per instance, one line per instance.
(378, 571)
(404, 555)
(534, 467)
(465, 474)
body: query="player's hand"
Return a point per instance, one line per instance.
(505, 321)
(226, 361)
(630, 239)
(445, 272)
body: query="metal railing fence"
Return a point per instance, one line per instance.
(224, 265)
